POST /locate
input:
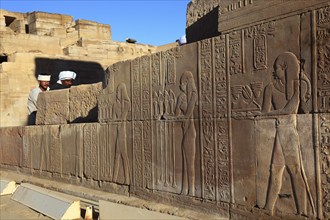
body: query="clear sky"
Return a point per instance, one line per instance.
(155, 22)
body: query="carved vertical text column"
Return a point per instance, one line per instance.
(91, 152)
(137, 124)
(221, 126)
(236, 64)
(324, 139)
(323, 58)
(146, 117)
(206, 119)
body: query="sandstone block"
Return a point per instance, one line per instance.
(83, 102)
(53, 107)
(11, 144)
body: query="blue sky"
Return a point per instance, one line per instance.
(155, 22)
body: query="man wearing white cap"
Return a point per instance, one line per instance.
(33, 97)
(182, 40)
(65, 80)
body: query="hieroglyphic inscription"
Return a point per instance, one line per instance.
(44, 150)
(325, 163)
(138, 154)
(146, 116)
(169, 58)
(26, 151)
(220, 77)
(91, 151)
(223, 174)
(145, 72)
(323, 58)
(155, 70)
(259, 34)
(55, 149)
(106, 155)
(136, 85)
(35, 143)
(236, 64)
(147, 153)
(221, 126)
(206, 117)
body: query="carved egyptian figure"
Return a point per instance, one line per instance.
(120, 110)
(184, 109)
(281, 98)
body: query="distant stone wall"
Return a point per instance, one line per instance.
(40, 42)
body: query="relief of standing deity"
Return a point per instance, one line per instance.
(120, 110)
(184, 109)
(281, 99)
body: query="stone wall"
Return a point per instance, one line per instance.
(235, 125)
(212, 18)
(40, 42)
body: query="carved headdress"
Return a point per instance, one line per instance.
(289, 62)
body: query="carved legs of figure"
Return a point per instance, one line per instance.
(298, 188)
(188, 158)
(274, 187)
(125, 166)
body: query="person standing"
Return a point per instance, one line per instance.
(33, 97)
(65, 80)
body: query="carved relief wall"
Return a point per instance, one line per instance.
(236, 124)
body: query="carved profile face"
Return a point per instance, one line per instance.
(183, 85)
(279, 72)
(121, 92)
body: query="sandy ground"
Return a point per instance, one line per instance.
(10, 209)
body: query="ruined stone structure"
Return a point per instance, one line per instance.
(237, 125)
(40, 42)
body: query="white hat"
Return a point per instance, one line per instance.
(44, 77)
(67, 75)
(182, 40)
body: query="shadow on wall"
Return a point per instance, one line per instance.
(87, 72)
(205, 27)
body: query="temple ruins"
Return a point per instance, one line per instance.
(235, 124)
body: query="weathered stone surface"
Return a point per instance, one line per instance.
(83, 103)
(71, 142)
(11, 146)
(53, 107)
(93, 30)
(324, 151)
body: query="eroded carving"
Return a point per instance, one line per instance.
(323, 58)
(220, 77)
(324, 122)
(184, 110)
(120, 110)
(245, 97)
(236, 64)
(206, 117)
